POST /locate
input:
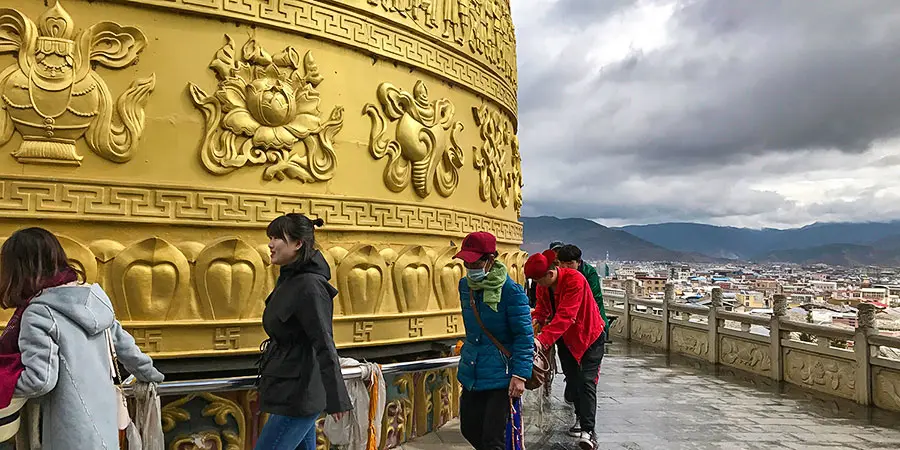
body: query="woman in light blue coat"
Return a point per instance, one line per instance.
(63, 342)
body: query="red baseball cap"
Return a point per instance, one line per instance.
(476, 245)
(536, 266)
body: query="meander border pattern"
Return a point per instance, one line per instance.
(26, 197)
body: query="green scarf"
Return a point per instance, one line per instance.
(492, 285)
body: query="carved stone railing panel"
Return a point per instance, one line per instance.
(689, 342)
(646, 331)
(745, 355)
(886, 393)
(829, 375)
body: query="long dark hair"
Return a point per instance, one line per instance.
(28, 259)
(297, 227)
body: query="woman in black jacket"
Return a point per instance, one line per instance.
(299, 373)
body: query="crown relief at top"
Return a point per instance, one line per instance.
(52, 96)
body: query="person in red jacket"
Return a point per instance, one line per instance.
(576, 319)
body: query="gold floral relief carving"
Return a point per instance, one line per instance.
(413, 279)
(201, 440)
(483, 26)
(646, 331)
(231, 279)
(516, 175)
(494, 157)
(821, 373)
(398, 414)
(447, 273)
(220, 409)
(424, 149)
(53, 97)
(152, 280)
(423, 400)
(361, 278)
(745, 355)
(690, 342)
(265, 111)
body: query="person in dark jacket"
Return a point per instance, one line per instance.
(491, 387)
(576, 320)
(299, 374)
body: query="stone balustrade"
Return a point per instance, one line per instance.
(844, 362)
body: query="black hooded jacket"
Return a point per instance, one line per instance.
(300, 374)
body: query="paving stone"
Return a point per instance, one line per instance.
(647, 400)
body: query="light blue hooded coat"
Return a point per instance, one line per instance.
(64, 351)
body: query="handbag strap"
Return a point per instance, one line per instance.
(113, 360)
(490, 336)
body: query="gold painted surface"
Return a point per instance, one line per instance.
(689, 342)
(820, 373)
(886, 392)
(247, 123)
(386, 32)
(745, 355)
(646, 331)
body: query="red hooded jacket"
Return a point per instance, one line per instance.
(577, 319)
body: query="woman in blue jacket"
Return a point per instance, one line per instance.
(493, 378)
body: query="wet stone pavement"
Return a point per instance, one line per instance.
(647, 400)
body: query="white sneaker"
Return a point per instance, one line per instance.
(587, 441)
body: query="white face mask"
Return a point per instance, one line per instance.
(476, 275)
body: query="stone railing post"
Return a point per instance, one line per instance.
(779, 310)
(669, 297)
(713, 323)
(626, 317)
(865, 326)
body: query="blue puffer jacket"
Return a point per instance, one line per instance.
(482, 367)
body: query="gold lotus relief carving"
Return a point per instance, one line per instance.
(265, 111)
(821, 373)
(53, 97)
(448, 272)
(693, 343)
(424, 149)
(745, 355)
(497, 159)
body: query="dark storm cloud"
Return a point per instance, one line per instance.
(737, 83)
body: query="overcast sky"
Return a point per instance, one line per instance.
(734, 112)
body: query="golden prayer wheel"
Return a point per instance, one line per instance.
(158, 138)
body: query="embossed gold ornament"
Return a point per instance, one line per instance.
(53, 97)
(266, 111)
(491, 157)
(517, 182)
(425, 147)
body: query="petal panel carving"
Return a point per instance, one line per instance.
(447, 273)
(361, 279)
(412, 279)
(152, 279)
(231, 277)
(81, 256)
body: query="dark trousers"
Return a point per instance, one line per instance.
(482, 418)
(581, 380)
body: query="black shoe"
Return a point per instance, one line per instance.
(575, 431)
(587, 441)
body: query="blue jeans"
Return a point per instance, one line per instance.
(288, 433)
